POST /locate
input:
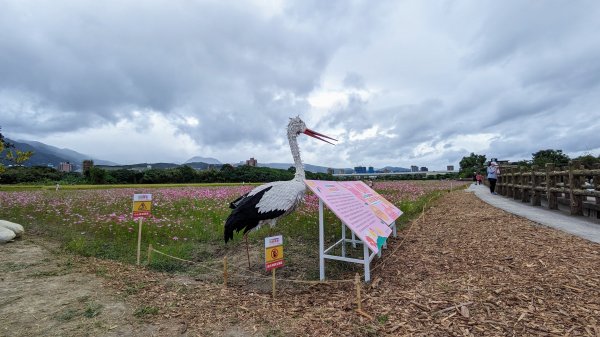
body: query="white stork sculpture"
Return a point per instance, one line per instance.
(271, 201)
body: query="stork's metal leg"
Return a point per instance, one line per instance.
(247, 249)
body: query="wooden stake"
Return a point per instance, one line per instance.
(225, 271)
(358, 300)
(149, 253)
(273, 273)
(357, 284)
(139, 241)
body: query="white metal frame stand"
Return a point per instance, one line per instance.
(367, 256)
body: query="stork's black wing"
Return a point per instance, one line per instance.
(245, 215)
(237, 201)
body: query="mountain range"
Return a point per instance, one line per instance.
(48, 155)
(206, 160)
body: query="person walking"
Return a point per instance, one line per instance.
(492, 174)
(479, 178)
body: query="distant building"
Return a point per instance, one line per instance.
(330, 171)
(424, 169)
(370, 169)
(87, 165)
(360, 169)
(251, 162)
(450, 168)
(65, 167)
(414, 168)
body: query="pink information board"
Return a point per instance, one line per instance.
(353, 210)
(382, 208)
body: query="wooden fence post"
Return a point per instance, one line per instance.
(536, 199)
(501, 185)
(525, 182)
(551, 183)
(518, 183)
(596, 182)
(499, 182)
(511, 182)
(574, 184)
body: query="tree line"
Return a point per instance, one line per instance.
(181, 174)
(478, 163)
(178, 175)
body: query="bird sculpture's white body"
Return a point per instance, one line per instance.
(269, 202)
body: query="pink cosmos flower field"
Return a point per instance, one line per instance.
(180, 215)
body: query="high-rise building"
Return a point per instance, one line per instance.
(370, 169)
(251, 162)
(414, 168)
(330, 171)
(360, 169)
(65, 167)
(424, 169)
(450, 168)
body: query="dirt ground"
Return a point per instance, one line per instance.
(46, 293)
(463, 269)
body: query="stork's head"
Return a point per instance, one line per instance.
(297, 126)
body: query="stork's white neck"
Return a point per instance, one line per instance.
(296, 154)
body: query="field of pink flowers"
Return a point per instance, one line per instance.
(185, 220)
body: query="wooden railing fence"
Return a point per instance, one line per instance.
(572, 185)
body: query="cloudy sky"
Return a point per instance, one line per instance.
(397, 82)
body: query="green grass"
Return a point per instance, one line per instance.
(92, 309)
(83, 308)
(144, 311)
(188, 223)
(52, 187)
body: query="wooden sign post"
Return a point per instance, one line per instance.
(142, 208)
(273, 255)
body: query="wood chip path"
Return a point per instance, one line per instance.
(465, 269)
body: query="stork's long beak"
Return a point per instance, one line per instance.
(318, 136)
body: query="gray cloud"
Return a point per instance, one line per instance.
(436, 82)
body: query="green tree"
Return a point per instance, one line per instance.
(184, 174)
(227, 168)
(97, 175)
(556, 157)
(470, 164)
(228, 172)
(588, 160)
(526, 163)
(9, 153)
(124, 176)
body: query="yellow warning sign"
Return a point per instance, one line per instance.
(142, 205)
